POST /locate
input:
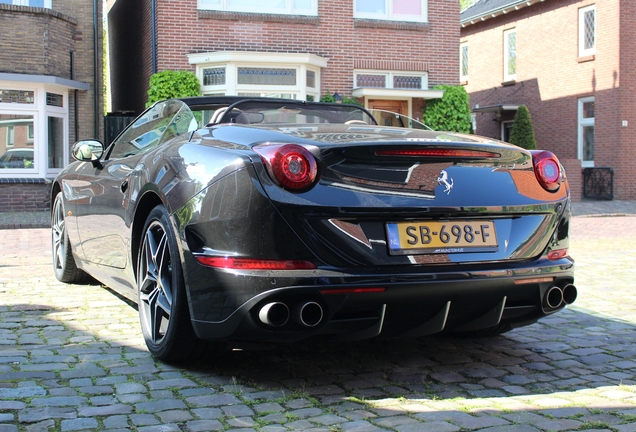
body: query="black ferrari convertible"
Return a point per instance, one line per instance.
(234, 221)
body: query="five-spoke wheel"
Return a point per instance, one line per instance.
(163, 306)
(155, 283)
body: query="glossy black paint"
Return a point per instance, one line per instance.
(222, 203)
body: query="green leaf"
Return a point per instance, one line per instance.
(449, 113)
(172, 84)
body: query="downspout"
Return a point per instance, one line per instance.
(153, 30)
(76, 109)
(96, 66)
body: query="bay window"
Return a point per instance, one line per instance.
(282, 75)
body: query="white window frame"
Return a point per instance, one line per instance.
(47, 3)
(389, 77)
(40, 112)
(463, 47)
(233, 60)
(583, 122)
(226, 6)
(506, 49)
(10, 139)
(582, 51)
(59, 112)
(389, 15)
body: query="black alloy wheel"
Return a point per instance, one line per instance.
(163, 308)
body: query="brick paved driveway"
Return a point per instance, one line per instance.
(71, 358)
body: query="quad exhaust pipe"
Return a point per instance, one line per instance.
(553, 297)
(309, 314)
(556, 296)
(276, 314)
(569, 294)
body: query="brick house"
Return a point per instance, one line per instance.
(386, 53)
(571, 63)
(50, 93)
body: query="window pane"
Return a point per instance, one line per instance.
(512, 53)
(16, 141)
(371, 6)
(407, 7)
(271, 95)
(214, 76)
(146, 132)
(273, 4)
(55, 100)
(588, 143)
(590, 29)
(371, 81)
(302, 4)
(56, 142)
(588, 110)
(407, 82)
(311, 79)
(506, 128)
(266, 76)
(464, 60)
(36, 3)
(16, 96)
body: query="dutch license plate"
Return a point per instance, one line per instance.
(431, 237)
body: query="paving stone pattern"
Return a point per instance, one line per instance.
(72, 358)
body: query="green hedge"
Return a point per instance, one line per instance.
(451, 112)
(172, 84)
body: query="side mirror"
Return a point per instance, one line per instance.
(88, 150)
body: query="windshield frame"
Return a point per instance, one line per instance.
(310, 112)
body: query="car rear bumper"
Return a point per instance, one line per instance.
(346, 306)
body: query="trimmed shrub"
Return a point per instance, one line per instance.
(522, 133)
(328, 97)
(172, 84)
(451, 112)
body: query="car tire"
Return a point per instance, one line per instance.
(64, 265)
(162, 301)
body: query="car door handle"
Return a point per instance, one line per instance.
(124, 186)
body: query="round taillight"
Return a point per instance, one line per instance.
(547, 170)
(290, 165)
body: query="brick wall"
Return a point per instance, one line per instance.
(334, 34)
(84, 64)
(46, 37)
(575, 177)
(624, 96)
(551, 78)
(25, 197)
